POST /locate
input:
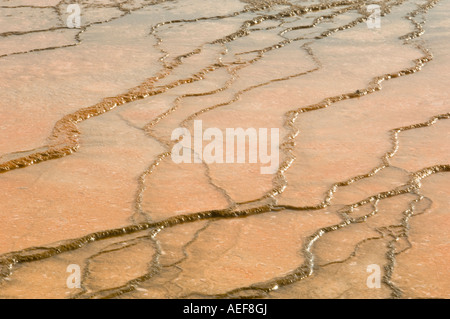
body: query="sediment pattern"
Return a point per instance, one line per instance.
(172, 254)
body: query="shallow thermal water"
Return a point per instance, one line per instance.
(87, 177)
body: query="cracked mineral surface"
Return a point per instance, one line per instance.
(87, 176)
